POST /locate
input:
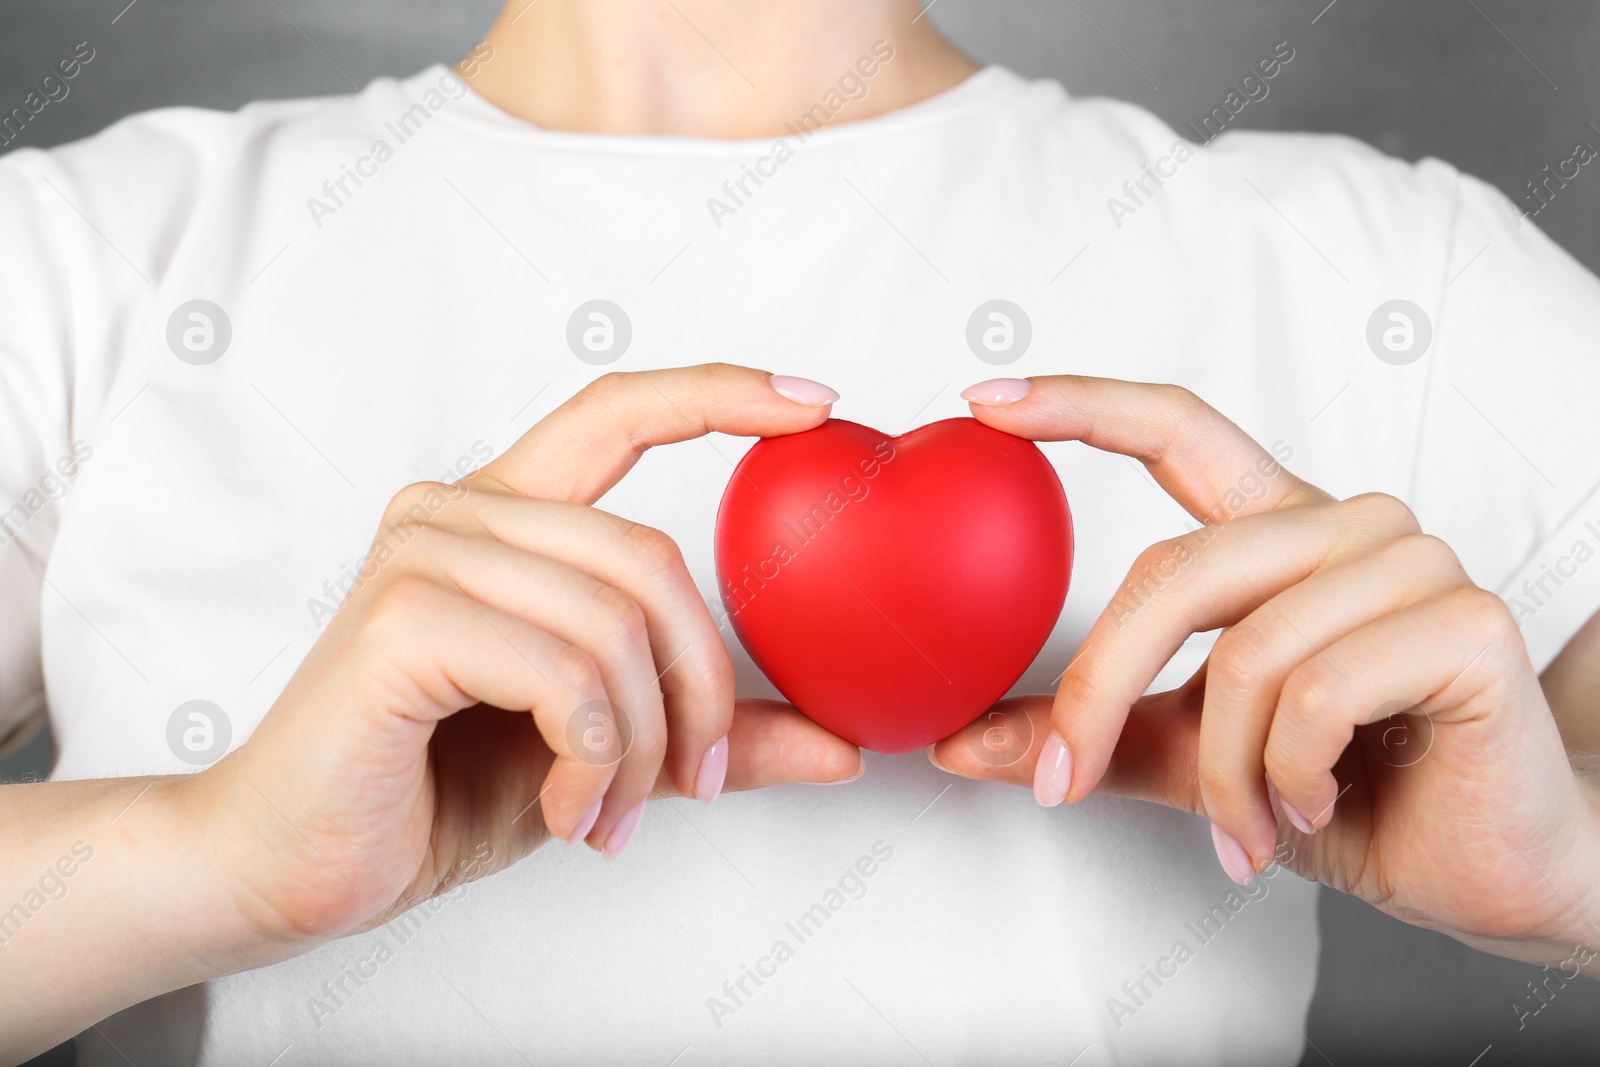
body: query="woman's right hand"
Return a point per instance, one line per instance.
(387, 770)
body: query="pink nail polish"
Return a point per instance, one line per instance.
(585, 824)
(1299, 821)
(997, 391)
(1052, 777)
(713, 772)
(622, 833)
(1235, 860)
(802, 390)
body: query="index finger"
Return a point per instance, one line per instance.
(1193, 451)
(585, 446)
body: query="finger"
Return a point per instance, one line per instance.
(1155, 758)
(583, 611)
(586, 445)
(693, 673)
(770, 743)
(459, 653)
(1431, 657)
(1206, 579)
(1204, 462)
(1252, 659)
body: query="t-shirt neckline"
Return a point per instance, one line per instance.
(989, 85)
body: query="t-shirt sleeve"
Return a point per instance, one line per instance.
(1509, 443)
(37, 459)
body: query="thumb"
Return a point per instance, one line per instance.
(1154, 760)
(771, 743)
(585, 446)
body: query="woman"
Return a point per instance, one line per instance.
(242, 334)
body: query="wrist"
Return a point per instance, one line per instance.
(223, 927)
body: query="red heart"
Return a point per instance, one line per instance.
(893, 588)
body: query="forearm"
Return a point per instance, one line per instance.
(107, 898)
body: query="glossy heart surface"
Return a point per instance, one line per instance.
(893, 588)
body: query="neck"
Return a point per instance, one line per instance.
(710, 68)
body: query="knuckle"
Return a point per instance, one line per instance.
(1386, 512)
(397, 604)
(619, 614)
(1182, 401)
(1482, 612)
(1310, 692)
(1244, 656)
(608, 384)
(574, 671)
(710, 677)
(416, 503)
(653, 552)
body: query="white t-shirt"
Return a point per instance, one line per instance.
(413, 324)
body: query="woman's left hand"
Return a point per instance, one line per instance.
(1366, 704)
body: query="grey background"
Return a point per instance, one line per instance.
(1500, 89)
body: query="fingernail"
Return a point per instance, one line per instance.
(713, 772)
(802, 390)
(1235, 860)
(861, 769)
(933, 758)
(585, 824)
(997, 391)
(1300, 822)
(622, 833)
(1053, 775)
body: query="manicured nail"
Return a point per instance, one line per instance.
(802, 390)
(1235, 860)
(1300, 822)
(622, 833)
(585, 824)
(1053, 775)
(997, 391)
(713, 771)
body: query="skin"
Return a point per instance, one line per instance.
(425, 738)
(1367, 711)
